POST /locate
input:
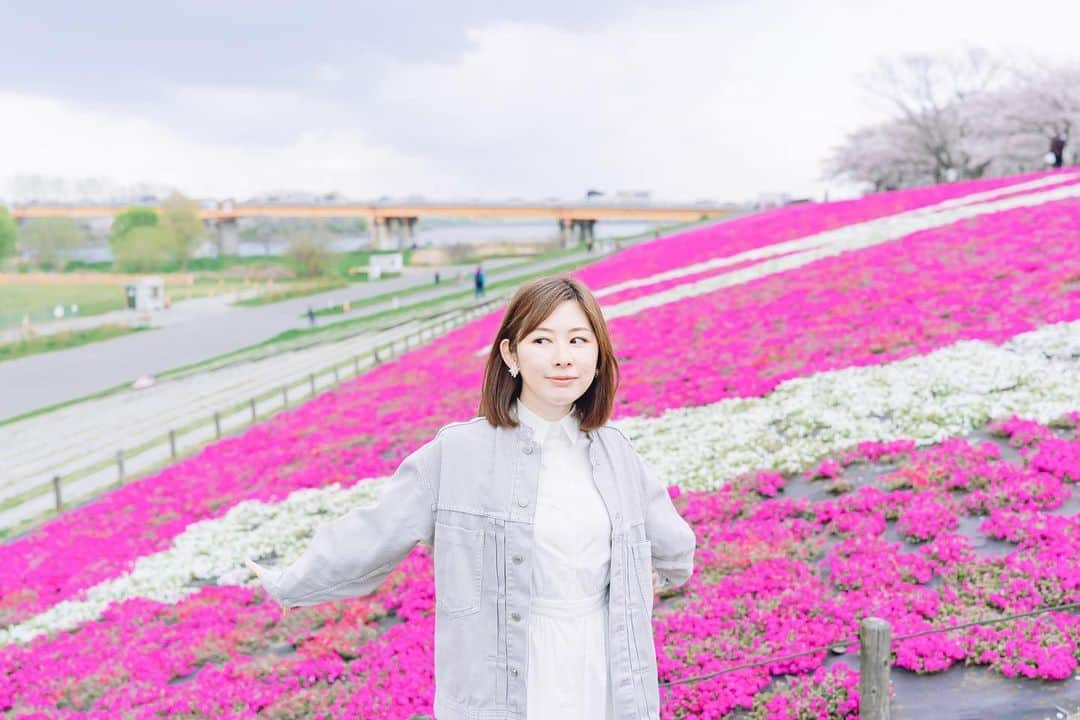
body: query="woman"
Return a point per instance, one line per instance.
(550, 533)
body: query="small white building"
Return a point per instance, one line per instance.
(146, 294)
(384, 262)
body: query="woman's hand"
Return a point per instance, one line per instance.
(259, 571)
(254, 567)
(655, 581)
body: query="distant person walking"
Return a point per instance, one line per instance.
(1057, 149)
(478, 281)
(436, 277)
(311, 316)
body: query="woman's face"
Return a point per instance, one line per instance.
(562, 346)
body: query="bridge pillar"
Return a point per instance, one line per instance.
(393, 234)
(566, 233)
(399, 233)
(408, 232)
(382, 234)
(228, 238)
(373, 232)
(584, 232)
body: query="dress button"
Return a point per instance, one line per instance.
(523, 502)
(527, 449)
(513, 671)
(515, 616)
(517, 559)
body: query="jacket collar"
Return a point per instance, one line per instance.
(568, 424)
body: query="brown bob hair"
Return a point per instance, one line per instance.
(531, 305)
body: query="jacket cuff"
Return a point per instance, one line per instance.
(271, 582)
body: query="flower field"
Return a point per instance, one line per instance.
(863, 408)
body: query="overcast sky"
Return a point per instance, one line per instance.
(492, 99)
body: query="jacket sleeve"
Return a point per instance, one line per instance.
(672, 539)
(352, 555)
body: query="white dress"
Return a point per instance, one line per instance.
(568, 619)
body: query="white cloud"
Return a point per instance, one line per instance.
(723, 101)
(45, 136)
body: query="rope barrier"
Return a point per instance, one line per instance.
(909, 636)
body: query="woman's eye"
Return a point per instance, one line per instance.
(577, 338)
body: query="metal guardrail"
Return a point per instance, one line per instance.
(177, 442)
(151, 456)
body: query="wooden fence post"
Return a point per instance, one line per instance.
(253, 415)
(172, 443)
(874, 660)
(311, 380)
(217, 424)
(56, 492)
(285, 396)
(356, 364)
(120, 465)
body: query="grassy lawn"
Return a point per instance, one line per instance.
(333, 331)
(293, 290)
(39, 300)
(449, 280)
(63, 340)
(294, 339)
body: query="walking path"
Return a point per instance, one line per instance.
(79, 442)
(195, 330)
(75, 438)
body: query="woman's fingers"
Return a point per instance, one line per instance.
(259, 570)
(254, 567)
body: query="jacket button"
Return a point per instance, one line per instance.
(515, 616)
(523, 502)
(517, 559)
(513, 671)
(527, 449)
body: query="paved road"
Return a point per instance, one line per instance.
(137, 422)
(195, 330)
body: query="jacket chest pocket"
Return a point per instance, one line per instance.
(459, 565)
(640, 604)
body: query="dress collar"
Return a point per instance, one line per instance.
(568, 424)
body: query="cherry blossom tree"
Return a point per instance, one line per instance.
(967, 115)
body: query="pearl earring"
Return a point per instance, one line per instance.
(513, 372)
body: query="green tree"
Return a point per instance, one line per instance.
(128, 220)
(8, 233)
(180, 221)
(142, 249)
(50, 240)
(309, 251)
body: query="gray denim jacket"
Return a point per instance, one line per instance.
(470, 493)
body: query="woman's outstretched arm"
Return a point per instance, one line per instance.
(352, 555)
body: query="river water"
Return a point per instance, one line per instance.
(425, 237)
